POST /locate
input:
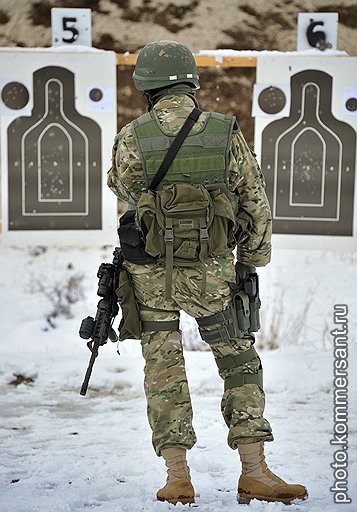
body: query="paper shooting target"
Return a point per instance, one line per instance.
(53, 146)
(308, 158)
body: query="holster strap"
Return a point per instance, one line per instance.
(235, 381)
(221, 317)
(156, 325)
(224, 332)
(226, 362)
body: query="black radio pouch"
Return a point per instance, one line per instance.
(131, 243)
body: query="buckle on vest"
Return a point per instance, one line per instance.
(203, 234)
(169, 235)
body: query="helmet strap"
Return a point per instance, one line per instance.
(149, 100)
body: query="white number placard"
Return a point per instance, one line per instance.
(71, 27)
(317, 30)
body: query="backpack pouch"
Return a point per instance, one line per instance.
(187, 210)
(146, 218)
(222, 230)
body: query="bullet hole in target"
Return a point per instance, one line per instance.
(15, 95)
(272, 100)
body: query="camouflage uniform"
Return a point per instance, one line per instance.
(166, 387)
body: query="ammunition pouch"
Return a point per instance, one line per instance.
(131, 242)
(130, 324)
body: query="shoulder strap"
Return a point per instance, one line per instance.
(175, 146)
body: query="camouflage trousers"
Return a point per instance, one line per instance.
(167, 392)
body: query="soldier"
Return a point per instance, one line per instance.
(183, 227)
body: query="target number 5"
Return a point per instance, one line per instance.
(71, 26)
(68, 25)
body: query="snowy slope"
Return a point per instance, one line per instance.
(65, 453)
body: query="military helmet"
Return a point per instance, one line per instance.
(165, 63)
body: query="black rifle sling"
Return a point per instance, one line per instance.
(175, 146)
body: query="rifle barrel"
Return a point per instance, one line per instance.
(88, 374)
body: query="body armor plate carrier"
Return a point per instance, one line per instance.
(192, 214)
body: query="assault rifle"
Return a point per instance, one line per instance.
(99, 329)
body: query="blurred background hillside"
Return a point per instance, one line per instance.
(127, 25)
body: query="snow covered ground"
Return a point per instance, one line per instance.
(62, 452)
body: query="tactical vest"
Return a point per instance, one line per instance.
(203, 157)
(192, 214)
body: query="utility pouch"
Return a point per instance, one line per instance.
(131, 243)
(130, 324)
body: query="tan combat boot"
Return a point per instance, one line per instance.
(257, 481)
(178, 484)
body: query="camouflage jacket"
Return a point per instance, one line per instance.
(126, 178)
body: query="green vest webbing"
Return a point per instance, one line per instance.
(203, 157)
